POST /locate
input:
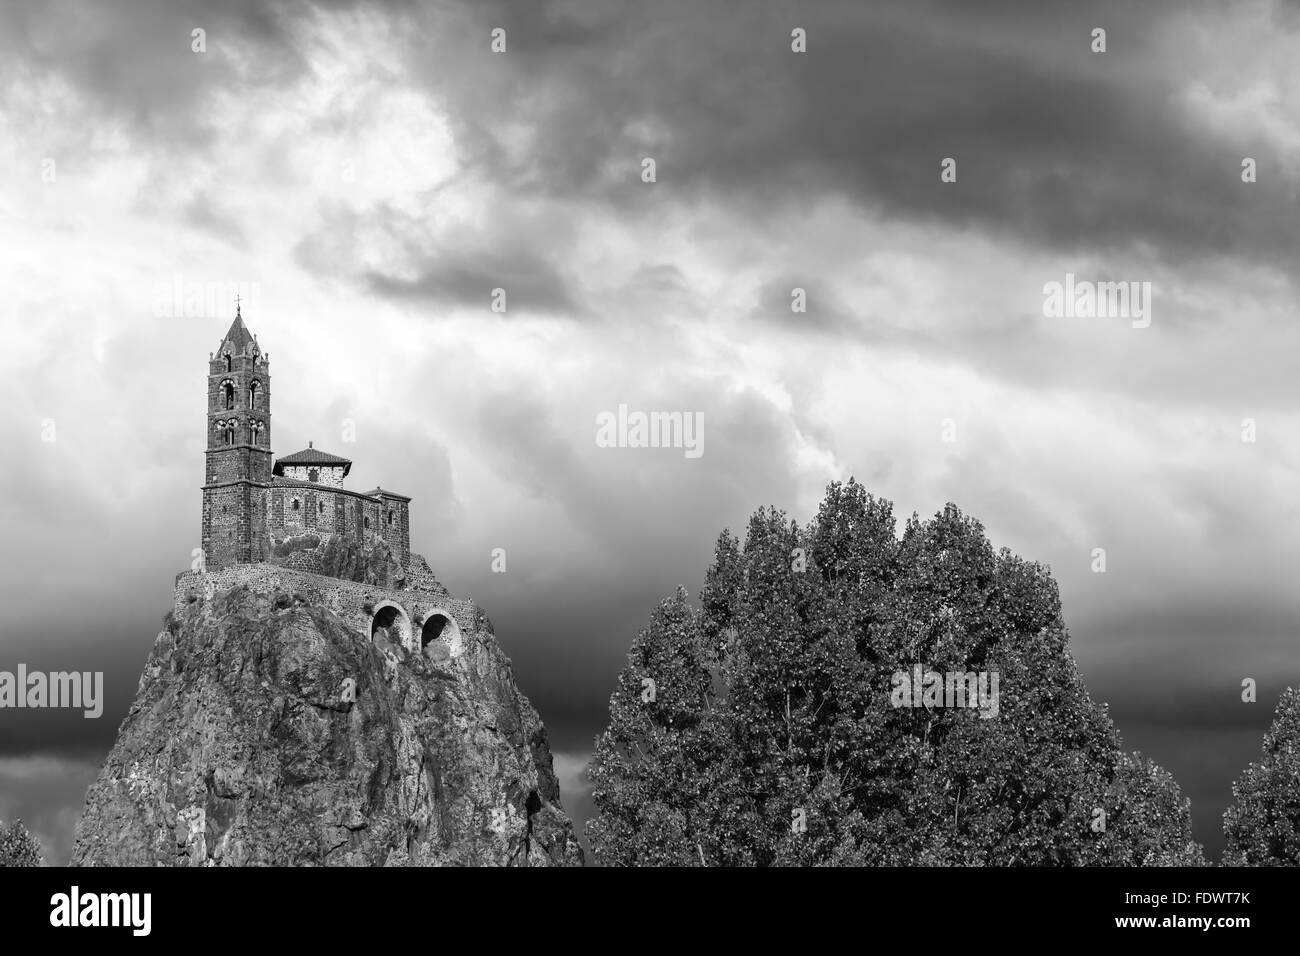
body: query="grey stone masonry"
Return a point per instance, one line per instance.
(256, 508)
(356, 603)
(253, 502)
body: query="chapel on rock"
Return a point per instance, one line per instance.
(271, 523)
(251, 498)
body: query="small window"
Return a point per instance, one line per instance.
(321, 508)
(227, 361)
(390, 517)
(229, 390)
(296, 504)
(367, 520)
(252, 395)
(313, 475)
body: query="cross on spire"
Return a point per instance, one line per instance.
(237, 301)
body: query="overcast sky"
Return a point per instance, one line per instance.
(370, 173)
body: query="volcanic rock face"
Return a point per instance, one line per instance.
(339, 557)
(264, 731)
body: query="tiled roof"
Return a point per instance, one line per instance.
(312, 456)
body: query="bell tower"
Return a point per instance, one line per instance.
(238, 452)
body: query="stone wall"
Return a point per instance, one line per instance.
(244, 372)
(326, 511)
(234, 525)
(395, 526)
(247, 510)
(234, 516)
(347, 599)
(419, 575)
(326, 474)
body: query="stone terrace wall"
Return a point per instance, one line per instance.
(347, 599)
(420, 576)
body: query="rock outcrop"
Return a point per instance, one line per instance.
(338, 557)
(266, 732)
(349, 560)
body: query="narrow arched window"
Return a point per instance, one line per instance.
(252, 395)
(313, 475)
(230, 436)
(227, 361)
(390, 517)
(228, 389)
(296, 504)
(321, 507)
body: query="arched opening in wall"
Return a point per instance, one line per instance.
(391, 623)
(367, 521)
(313, 475)
(227, 361)
(440, 636)
(296, 504)
(230, 436)
(228, 392)
(252, 395)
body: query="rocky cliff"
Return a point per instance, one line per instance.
(339, 557)
(264, 731)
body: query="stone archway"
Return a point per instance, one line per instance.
(393, 622)
(440, 636)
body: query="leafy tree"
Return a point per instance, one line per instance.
(652, 765)
(779, 743)
(18, 847)
(1263, 823)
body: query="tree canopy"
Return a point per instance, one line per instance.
(759, 728)
(1262, 825)
(18, 847)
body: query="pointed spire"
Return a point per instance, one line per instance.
(238, 336)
